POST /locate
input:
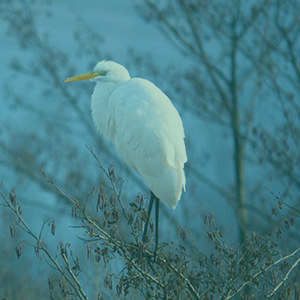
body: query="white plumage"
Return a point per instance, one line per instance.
(144, 126)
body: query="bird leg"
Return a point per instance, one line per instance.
(153, 197)
(156, 223)
(148, 216)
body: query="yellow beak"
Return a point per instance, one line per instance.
(85, 76)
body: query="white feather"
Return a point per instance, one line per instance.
(145, 128)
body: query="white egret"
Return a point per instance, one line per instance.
(145, 128)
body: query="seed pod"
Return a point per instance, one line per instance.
(12, 230)
(91, 230)
(141, 249)
(152, 227)
(13, 197)
(62, 285)
(292, 221)
(286, 224)
(18, 249)
(20, 213)
(279, 233)
(53, 227)
(37, 249)
(50, 284)
(98, 206)
(108, 282)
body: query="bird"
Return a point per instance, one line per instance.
(145, 128)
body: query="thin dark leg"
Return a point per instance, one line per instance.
(148, 218)
(156, 223)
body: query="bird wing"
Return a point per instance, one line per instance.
(149, 136)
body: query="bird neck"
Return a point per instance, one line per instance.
(100, 107)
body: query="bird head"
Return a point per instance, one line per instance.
(105, 71)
